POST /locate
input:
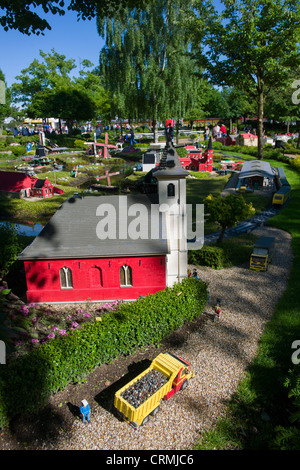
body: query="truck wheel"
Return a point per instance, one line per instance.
(155, 411)
(184, 385)
(145, 420)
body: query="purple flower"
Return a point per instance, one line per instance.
(87, 314)
(24, 310)
(62, 332)
(74, 325)
(35, 340)
(51, 335)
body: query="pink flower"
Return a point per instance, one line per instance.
(51, 335)
(74, 325)
(24, 310)
(62, 332)
(87, 314)
(35, 340)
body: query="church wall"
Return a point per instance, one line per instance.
(94, 279)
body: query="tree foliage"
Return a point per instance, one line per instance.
(146, 63)
(70, 104)
(54, 70)
(47, 89)
(27, 16)
(253, 45)
(227, 211)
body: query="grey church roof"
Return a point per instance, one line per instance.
(170, 165)
(74, 230)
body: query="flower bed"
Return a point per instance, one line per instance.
(36, 325)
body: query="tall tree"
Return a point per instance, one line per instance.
(70, 104)
(282, 103)
(54, 70)
(4, 100)
(253, 45)
(146, 61)
(47, 89)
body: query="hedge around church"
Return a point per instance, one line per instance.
(27, 382)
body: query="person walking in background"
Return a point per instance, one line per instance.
(132, 141)
(215, 132)
(223, 131)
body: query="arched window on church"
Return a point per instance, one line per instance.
(171, 190)
(125, 276)
(66, 279)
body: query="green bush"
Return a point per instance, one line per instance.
(182, 152)
(79, 144)
(18, 150)
(26, 383)
(9, 247)
(9, 140)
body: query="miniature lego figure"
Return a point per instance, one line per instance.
(218, 310)
(85, 410)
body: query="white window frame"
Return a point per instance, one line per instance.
(127, 272)
(65, 270)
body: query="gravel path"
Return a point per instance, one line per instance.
(220, 354)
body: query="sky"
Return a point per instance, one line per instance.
(76, 40)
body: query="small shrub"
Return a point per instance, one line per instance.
(18, 150)
(211, 256)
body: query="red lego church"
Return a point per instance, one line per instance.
(102, 248)
(194, 161)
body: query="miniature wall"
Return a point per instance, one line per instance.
(94, 279)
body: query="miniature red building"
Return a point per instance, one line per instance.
(16, 184)
(194, 161)
(94, 248)
(78, 279)
(42, 188)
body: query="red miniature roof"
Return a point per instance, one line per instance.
(15, 181)
(248, 135)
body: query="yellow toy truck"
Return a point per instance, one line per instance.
(141, 397)
(262, 254)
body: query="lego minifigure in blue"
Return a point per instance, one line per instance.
(85, 410)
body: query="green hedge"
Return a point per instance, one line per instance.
(26, 383)
(212, 256)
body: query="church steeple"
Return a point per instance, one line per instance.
(171, 188)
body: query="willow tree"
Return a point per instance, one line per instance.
(253, 45)
(146, 63)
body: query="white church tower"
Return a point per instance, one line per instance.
(171, 180)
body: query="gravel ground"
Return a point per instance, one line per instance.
(220, 354)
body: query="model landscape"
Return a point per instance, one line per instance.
(149, 232)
